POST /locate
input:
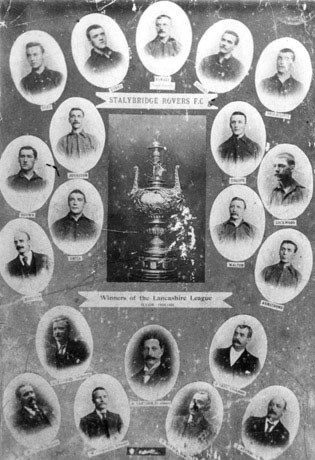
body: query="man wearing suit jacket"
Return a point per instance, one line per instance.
(32, 415)
(268, 430)
(28, 263)
(65, 352)
(101, 422)
(236, 359)
(154, 372)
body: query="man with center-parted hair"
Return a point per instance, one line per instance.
(26, 179)
(269, 430)
(282, 83)
(283, 274)
(236, 359)
(41, 78)
(223, 66)
(288, 191)
(102, 58)
(163, 45)
(156, 368)
(78, 143)
(236, 229)
(75, 226)
(101, 422)
(238, 147)
(65, 351)
(32, 414)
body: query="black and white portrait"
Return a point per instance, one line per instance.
(238, 351)
(75, 216)
(238, 139)
(237, 222)
(101, 411)
(194, 418)
(64, 342)
(27, 174)
(31, 410)
(77, 134)
(271, 422)
(27, 261)
(152, 362)
(163, 38)
(224, 55)
(100, 50)
(285, 181)
(38, 67)
(283, 265)
(283, 74)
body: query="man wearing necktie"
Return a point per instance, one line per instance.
(269, 430)
(28, 263)
(32, 415)
(101, 422)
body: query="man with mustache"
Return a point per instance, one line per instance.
(102, 57)
(195, 426)
(32, 415)
(163, 44)
(282, 83)
(26, 180)
(78, 143)
(223, 66)
(288, 191)
(283, 274)
(65, 351)
(236, 359)
(155, 371)
(236, 229)
(238, 147)
(28, 263)
(101, 422)
(268, 430)
(75, 226)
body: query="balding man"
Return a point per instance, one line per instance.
(223, 66)
(236, 229)
(102, 58)
(28, 263)
(282, 83)
(195, 425)
(288, 191)
(163, 45)
(32, 415)
(26, 180)
(268, 430)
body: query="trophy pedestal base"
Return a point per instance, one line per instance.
(157, 269)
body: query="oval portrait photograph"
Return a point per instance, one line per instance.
(237, 222)
(194, 419)
(152, 362)
(64, 342)
(100, 50)
(285, 181)
(31, 411)
(224, 55)
(27, 174)
(75, 216)
(163, 38)
(284, 265)
(27, 261)
(38, 67)
(77, 135)
(101, 411)
(238, 139)
(238, 351)
(283, 74)
(271, 422)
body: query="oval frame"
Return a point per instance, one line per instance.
(236, 250)
(133, 354)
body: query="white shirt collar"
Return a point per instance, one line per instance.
(234, 355)
(272, 423)
(101, 414)
(29, 257)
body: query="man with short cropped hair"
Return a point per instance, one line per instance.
(163, 45)
(236, 229)
(32, 415)
(283, 274)
(26, 179)
(102, 58)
